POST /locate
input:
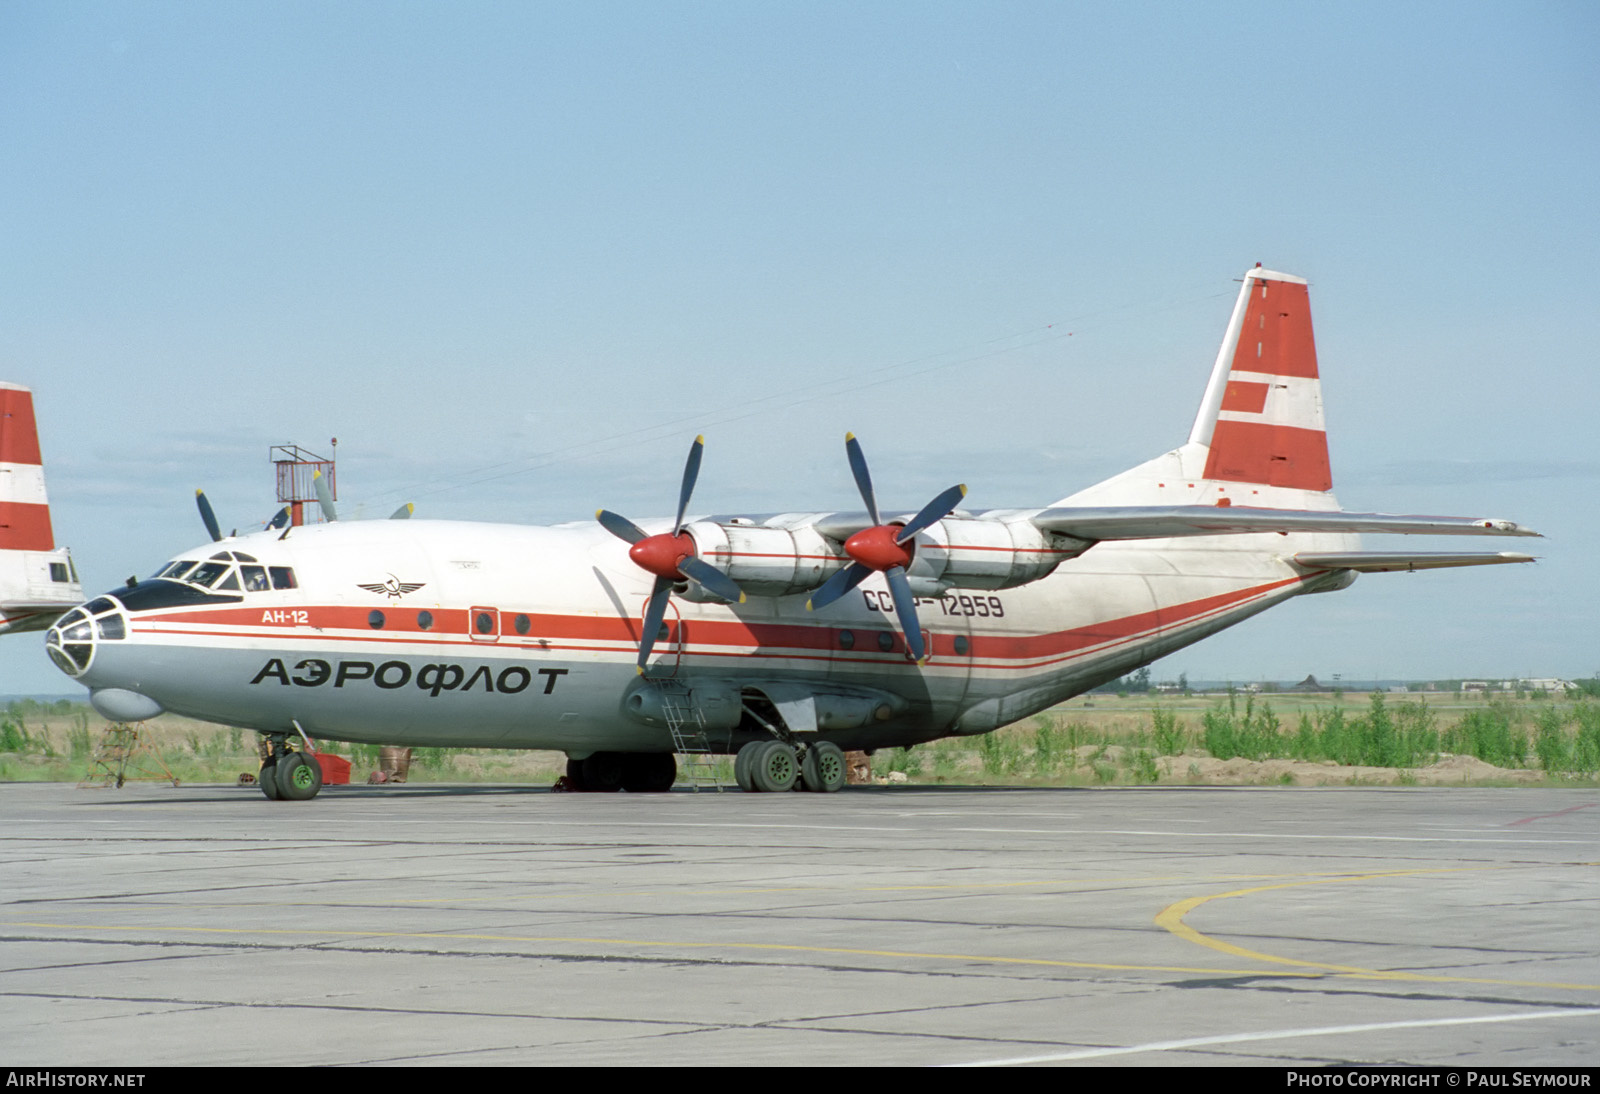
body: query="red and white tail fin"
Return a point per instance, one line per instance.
(1259, 438)
(1261, 417)
(24, 509)
(37, 579)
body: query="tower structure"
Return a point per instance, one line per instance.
(295, 468)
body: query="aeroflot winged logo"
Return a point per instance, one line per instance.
(393, 586)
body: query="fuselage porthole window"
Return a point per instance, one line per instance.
(375, 620)
(962, 645)
(425, 621)
(847, 640)
(484, 622)
(523, 625)
(886, 641)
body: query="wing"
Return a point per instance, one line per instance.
(1170, 521)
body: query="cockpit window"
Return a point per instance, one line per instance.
(219, 573)
(207, 573)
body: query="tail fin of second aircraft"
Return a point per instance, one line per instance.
(37, 579)
(24, 509)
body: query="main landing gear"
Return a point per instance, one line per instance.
(286, 775)
(637, 772)
(775, 766)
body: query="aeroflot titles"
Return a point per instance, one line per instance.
(314, 672)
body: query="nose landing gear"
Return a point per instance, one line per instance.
(635, 772)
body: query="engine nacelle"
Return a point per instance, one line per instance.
(766, 561)
(973, 553)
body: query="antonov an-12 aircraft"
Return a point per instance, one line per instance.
(785, 639)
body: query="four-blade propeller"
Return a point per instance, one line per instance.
(280, 519)
(670, 556)
(208, 517)
(886, 549)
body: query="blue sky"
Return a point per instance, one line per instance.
(514, 256)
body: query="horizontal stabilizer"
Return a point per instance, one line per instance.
(69, 598)
(1384, 562)
(1166, 521)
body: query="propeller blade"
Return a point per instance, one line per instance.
(654, 613)
(207, 516)
(858, 468)
(404, 512)
(936, 510)
(324, 496)
(279, 519)
(837, 585)
(905, 606)
(691, 472)
(619, 526)
(712, 578)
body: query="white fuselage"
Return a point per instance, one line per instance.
(526, 637)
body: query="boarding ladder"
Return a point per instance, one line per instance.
(697, 763)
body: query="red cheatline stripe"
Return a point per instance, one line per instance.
(760, 639)
(25, 527)
(759, 554)
(942, 546)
